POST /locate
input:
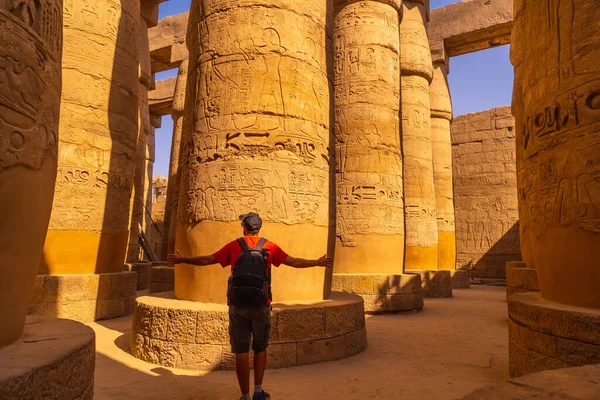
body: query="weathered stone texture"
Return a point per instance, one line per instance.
(520, 279)
(192, 335)
(162, 279)
(485, 190)
(547, 335)
(30, 87)
(143, 271)
(435, 284)
(419, 194)
(54, 359)
(97, 140)
(370, 207)
(258, 139)
(556, 102)
(167, 42)
(84, 298)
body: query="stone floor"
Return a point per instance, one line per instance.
(453, 347)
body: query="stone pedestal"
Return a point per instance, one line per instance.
(435, 284)
(520, 279)
(547, 335)
(383, 292)
(54, 359)
(577, 383)
(84, 298)
(162, 279)
(461, 279)
(144, 272)
(192, 335)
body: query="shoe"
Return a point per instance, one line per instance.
(261, 396)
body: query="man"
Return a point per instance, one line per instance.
(246, 321)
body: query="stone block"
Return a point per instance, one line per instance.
(199, 357)
(577, 353)
(359, 314)
(321, 350)
(166, 352)
(38, 289)
(123, 284)
(81, 311)
(282, 355)
(70, 288)
(181, 327)
(17, 383)
(460, 279)
(105, 290)
(141, 349)
(301, 324)
(535, 341)
(523, 361)
(358, 284)
(212, 327)
(274, 334)
(355, 342)
(160, 320)
(339, 320)
(228, 358)
(111, 308)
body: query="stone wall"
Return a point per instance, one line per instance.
(485, 190)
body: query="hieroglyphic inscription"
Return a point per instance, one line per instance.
(30, 33)
(368, 159)
(260, 136)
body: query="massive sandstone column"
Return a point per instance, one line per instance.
(171, 206)
(89, 226)
(557, 109)
(30, 82)
(370, 207)
(260, 139)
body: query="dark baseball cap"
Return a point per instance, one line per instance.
(252, 221)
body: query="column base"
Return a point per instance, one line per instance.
(143, 270)
(435, 283)
(579, 383)
(546, 335)
(162, 279)
(382, 293)
(460, 279)
(84, 298)
(194, 336)
(520, 279)
(54, 359)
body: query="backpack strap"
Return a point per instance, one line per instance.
(260, 244)
(243, 244)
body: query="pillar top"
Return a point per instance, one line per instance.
(396, 4)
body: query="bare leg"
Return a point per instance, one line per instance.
(260, 363)
(242, 369)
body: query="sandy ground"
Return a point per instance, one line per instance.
(450, 349)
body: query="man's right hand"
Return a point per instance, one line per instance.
(173, 259)
(325, 262)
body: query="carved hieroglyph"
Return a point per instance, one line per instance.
(89, 227)
(259, 140)
(370, 209)
(30, 81)
(172, 204)
(485, 192)
(557, 108)
(441, 115)
(419, 193)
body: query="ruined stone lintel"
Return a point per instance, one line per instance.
(579, 383)
(382, 293)
(84, 298)
(547, 335)
(435, 284)
(54, 359)
(194, 336)
(520, 278)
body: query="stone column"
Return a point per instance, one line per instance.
(259, 142)
(30, 84)
(441, 117)
(370, 207)
(89, 226)
(556, 104)
(171, 206)
(419, 194)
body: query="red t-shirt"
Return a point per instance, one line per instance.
(229, 254)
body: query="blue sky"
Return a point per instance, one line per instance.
(478, 81)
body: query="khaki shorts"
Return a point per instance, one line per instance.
(249, 322)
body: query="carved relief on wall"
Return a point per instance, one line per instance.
(260, 136)
(30, 36)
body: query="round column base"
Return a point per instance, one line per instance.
(381, 292)
(546, 335)
(84, 298)
(460, 279)
(54, 359)
(520, 279)
(162, 279)
(579, 383)
(435, 283)
(194, 336)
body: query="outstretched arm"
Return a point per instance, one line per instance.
(173, 259)
(304, 263)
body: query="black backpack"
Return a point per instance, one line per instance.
(250, 281)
